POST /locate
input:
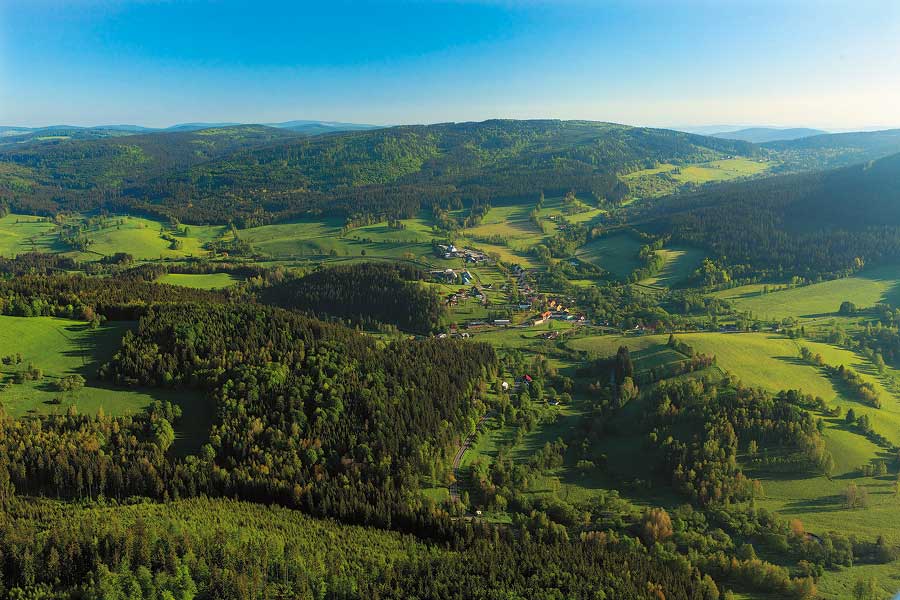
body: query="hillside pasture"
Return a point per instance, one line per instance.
(299, 238)
(61, 347)
(769, 361)
(203, 281)
(417, 230)
(772, 362)
(577, 211)
(867, 288)
(666, 178)
(681, 262)
(720, 170)
(322, 238)
(25, 233)
(617, 253)
(511, 222)
(137, 236)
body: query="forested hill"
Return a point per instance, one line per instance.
(835, 150)
(809, 224)
(365, 293)
(251, 179)
(84, 171)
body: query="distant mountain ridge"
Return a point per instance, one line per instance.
(301, 125)
(761, 135)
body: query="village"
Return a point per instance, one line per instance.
(521, 306)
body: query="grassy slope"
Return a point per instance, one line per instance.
(137, 236)
(206, 281)
(879, 284)
(770, 362)
(18, 231)
(617, 253)
(653, 182)
(61, 347)
(720, 170)
(681, 262)
(318, 238)
(140, 237)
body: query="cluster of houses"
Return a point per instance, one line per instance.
(470, 255)
(455, 333)
(523, 381)
(452, 276)
(520, 382)
(548, 315)
(521, 276)
(556, 310)
(464, 294)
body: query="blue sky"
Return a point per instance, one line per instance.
(792, 62)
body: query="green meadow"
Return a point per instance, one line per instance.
(867, 288)
(323, 239)
(720, 170)
(142, 238)
(617, 253)
(138, 236)
(511, 222)
(681, 262)
(666, 178)
(418, 230)
(23, 233)
(577, 211)
(770, 361)
(61, 347)
(716, 170)
(203, 281)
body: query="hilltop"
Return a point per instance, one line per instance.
(759, 135)
(802, 224)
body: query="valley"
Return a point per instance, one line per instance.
(576, 350)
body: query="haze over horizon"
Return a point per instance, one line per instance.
(823, 65)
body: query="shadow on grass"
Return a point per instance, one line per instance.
(834, 503)
(793, 360)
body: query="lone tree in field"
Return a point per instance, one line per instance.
(855, 496)
(847, 308)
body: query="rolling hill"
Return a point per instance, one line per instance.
(825, 222)
(253, 174)
(75, 171)
(836, 149)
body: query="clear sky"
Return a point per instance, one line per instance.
(816, 63)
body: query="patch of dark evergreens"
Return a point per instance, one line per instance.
(366, 294)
